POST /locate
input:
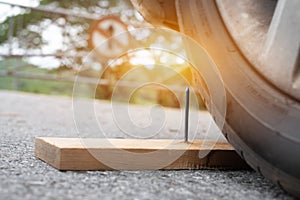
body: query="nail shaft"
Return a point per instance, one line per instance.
(187, 105)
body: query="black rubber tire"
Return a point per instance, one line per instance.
(254, 106)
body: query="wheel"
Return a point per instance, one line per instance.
(263, 115)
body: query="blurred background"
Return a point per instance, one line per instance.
(45, 45)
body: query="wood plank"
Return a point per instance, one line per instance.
(135, 154)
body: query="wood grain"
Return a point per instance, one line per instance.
(135, 154)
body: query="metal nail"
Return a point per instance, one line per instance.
(186, 124)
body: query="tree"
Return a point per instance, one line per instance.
(29, 28)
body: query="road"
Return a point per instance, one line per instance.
(25, 116)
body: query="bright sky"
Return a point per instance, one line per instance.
(52, 35)
(6, 10)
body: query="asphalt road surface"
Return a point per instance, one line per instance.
(22, 176)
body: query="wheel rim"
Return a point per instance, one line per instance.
(267, 33)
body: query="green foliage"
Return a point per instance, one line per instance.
(18, 24)
(27, 17)
(27, 34)
(40, 86)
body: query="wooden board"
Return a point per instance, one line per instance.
(135, 154)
